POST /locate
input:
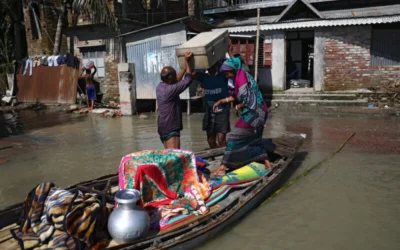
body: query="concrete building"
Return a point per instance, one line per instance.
(335, 45)
(152, 48)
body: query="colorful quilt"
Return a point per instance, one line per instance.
(240, 178)
(166, 179)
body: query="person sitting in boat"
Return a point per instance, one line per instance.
(216, 124)
(170, 111)
(245, 143)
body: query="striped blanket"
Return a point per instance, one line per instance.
(53, 218)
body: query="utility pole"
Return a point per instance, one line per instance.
(257, 45)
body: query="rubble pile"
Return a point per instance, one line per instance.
(387, 95)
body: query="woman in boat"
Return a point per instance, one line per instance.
(245, 143)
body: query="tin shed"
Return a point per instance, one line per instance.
(152, 48)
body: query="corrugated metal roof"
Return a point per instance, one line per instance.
(187, 19)
(313, 24)
(363, 12)
(243, 21)
(380, 11)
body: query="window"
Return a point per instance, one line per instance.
(98, 58)
(34, 15)
(384, 50)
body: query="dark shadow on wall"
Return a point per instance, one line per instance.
(264, 82)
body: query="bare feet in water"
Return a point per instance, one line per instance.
(219, 171)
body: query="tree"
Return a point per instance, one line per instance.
(11, 18)
(11, 39)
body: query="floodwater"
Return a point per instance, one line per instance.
(351, 201)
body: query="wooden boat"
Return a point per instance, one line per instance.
(194, 231)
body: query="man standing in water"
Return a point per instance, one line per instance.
(169, 106)
(216, 124)
(90, 88)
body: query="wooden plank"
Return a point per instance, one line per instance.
(5, 233)
(11, 244)
(282, 143)
(211, 153)
(289, 141)
(282, 151)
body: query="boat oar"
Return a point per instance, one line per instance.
(305, 173)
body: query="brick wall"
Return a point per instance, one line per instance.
(348, 60)
(48, 23)
(110, 83)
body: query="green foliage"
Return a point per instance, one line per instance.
(6, 44)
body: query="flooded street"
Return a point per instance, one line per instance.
(350, 202)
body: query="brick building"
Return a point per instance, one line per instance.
(107, 52)
(333, 45)
(41, 25)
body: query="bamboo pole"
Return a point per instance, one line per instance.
(257, 45)
(305, 173)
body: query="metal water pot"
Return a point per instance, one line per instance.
(128, 222)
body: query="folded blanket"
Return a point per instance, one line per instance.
(53, 218)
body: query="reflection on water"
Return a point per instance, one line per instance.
(351, 202)
(12, 123)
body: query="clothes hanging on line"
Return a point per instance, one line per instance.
(28, 65)
(36, 61)
(52, 61)
(44, 61)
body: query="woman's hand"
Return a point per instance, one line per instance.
(239, 108)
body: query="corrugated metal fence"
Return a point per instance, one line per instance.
(385, 51)
(48, 85)
(149, 59)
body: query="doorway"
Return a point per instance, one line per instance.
(300, 59)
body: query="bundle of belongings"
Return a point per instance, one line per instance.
(174, 187)
(53, 218)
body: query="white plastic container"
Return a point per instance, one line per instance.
(207, 48)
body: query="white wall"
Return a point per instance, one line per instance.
(278, 60)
